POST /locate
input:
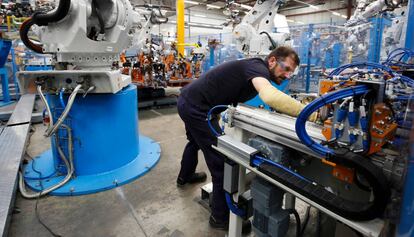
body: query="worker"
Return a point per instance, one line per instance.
(228, 84)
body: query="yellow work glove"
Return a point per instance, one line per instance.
(283, 103)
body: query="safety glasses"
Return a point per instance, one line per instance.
(290, 71)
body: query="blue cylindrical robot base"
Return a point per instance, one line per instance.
(107, 148)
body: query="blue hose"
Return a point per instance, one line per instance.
(258, 160)
(315, 105)
(209, 120)
(62, 102)
(340, 69)
(233, 208)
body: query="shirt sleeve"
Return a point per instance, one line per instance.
(256, 68)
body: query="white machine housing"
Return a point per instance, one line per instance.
(76, 54)
(249, 33)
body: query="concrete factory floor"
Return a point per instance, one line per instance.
(149, 206)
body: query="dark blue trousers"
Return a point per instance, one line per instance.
(201, 137)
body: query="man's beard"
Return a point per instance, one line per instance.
(277, 80)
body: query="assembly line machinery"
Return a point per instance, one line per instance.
(91, 107)
(354, 164)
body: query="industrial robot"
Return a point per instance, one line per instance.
(254, 35)
(90, 106)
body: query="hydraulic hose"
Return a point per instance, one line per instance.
(314, 106)
(43, 98)
(374, 175)
(274, 45)
(210, 112)
(233, 208)
(99, 15)
(62, 101)
(340, 69)
(65, 112)
(43, 19)
(68, 163)
(24, 35)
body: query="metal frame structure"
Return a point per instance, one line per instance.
(262, 123)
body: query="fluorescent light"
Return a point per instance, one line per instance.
(213, 6)
(343, 16)
(336, 13)
(172, 21)
(300, 22)
(199, 15)
(192, 2)
(288, 20)
(314, 7)
(246, 6)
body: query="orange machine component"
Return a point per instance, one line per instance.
(327, 129)
(168, 61)
(136, 75)
(122, 58)
(341, 172)
(125, 70)
(326, 86)
(382, 128)
(188, 71)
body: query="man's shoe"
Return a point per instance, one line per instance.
(195, 178)
(224, 225)
(219, 225)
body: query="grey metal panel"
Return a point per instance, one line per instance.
(12, 148)
(36, 117)
(23, 111)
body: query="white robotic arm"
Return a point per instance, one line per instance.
(85, 37)
(153, 17)
(365, 10)
(254, 34)
(85, 33)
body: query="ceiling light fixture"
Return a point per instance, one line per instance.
(213, 6)
(246, 6)
(191, 2)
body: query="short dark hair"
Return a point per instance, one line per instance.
(283, 52)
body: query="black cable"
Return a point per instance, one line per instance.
(318, 223)
(270, 39)
(297, 218)
(24, 35)
(306, 220)
(100, 18)
(37, 201)
(43, 19)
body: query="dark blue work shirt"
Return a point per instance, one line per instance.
(225, 84)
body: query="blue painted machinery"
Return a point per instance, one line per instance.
(107, 148)
(5, 46)
(91, 108)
